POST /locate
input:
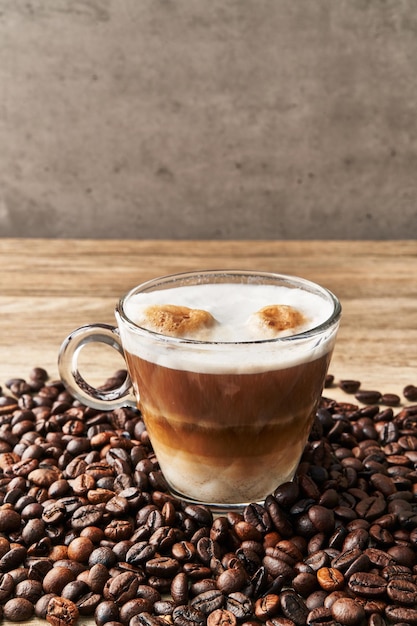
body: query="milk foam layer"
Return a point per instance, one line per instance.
(232, 306)
(230, 343)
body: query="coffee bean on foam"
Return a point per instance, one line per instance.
(175, 320)
(271, 320)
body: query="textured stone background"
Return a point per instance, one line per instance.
(208, 119)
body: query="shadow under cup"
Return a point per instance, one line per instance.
(228, 421)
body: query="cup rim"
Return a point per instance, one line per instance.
(219, 273)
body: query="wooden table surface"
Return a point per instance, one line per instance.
(50, 287)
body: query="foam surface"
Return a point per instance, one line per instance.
(236, 309)
(231, 341)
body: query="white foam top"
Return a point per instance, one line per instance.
(235, 309)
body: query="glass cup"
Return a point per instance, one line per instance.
(228, 416)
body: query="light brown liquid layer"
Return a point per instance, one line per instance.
(228, 438)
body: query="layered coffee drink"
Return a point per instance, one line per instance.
(228, 376)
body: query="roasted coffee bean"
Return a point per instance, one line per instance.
(87, 604)
(33, 530)
(287, 493)
(240, 605)
(318, 560)
(80, 549)
(103, 555)
(371, 507)
(56, 579)
(162, 566)
(328, 381)
(118, 529)
(133, 607)
(348, 612)
(7, 585)
(349, 386)
(380, 535)
(10, 520)
(121, 588)
(405, 615)
(179, 588)
(277, 514)
(367, 584)
(87, 515)
(221, 617)
(383, 483)
(258, 516)
(304, 583)
(320, 616)
(278, 567)
(361, 564)
(196, 571)
(322, 518)
(357, 533)
(164, 608)
(267, 607)
(294, 607)
(141, 619)
(29, 589)
(18, 610)
(106, 611)
(378, 557)
(13, 558)
(183, 551)
(402, 591)
(345, 559)
(368, 396)
(201, 514)
(61, 612)
(403, 555)
(317, 542)
(390, 399)
(205, 584)
(185, 615)
(74, 590)
(140, 552)
(316, 599)
(208, 601)
(330, 578)
(207, 549)
(250, 560)
(410, 392)
(232, 579)
(41, 606)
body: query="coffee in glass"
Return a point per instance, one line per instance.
(227, 368)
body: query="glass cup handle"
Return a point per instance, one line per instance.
(74, 381)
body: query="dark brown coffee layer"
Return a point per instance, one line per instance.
(228, 438)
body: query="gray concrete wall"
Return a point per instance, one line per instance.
(208, 118)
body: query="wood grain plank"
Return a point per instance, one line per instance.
(49, 287)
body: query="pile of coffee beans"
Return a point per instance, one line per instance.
(88, 529)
